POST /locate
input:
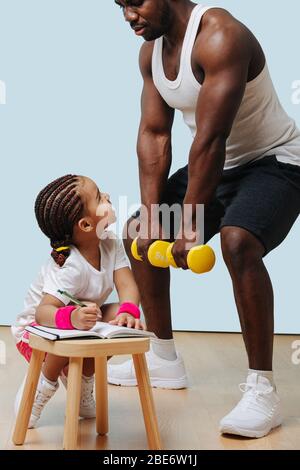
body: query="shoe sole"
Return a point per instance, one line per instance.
(250, 433)
(155, 383)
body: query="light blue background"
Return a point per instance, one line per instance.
(73, 86)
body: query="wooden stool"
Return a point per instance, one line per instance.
(77, 350)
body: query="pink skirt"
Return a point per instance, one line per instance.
(23, 345)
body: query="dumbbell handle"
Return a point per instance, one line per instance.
(201, 259)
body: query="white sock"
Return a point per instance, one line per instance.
(88, 379)
(164, 348)
(264, 373)
(50, 382)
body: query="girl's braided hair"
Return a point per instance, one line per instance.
(58, 207)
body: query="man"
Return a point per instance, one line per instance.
(244, 166)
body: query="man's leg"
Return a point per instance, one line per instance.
(154, 288)
(258, 218)
(166, 367)
(259, 411)
(243, 254)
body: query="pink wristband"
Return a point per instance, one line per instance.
(128, 307)
(63, 318)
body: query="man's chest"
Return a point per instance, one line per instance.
(174, 59)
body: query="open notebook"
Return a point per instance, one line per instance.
(100, 330)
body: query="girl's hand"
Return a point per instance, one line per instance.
(84, 318)
(126, 319)
(87, 303)
(100, 315)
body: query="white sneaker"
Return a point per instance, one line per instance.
(44, 392)
(258, 412)
(163, 373)
(87, 402)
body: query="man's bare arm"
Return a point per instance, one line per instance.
(154, 139)
(225, 61)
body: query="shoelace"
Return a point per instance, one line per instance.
(87, 398)
(252, 397)
(245, 387)
(40, 401)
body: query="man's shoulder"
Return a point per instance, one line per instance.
(147, 47)
(218, 21)
(145, 58)
(217, 17)
(221, 33)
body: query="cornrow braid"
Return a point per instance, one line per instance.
(57, 209)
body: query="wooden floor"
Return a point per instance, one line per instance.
(188, 419)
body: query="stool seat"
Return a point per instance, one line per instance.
(76, 350)
(90, 347)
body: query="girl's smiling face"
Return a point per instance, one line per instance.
(105, 210)
(99, 212)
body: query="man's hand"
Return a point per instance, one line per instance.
(150, 231)
(126, 319)
(182, 247)
(143, 247)
(85, 318)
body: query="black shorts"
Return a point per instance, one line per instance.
(262, 197)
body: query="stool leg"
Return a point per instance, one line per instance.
(101, 395)
(28, 396)
(73, 402)
(147, 402)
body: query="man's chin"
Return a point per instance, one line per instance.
(151, 36)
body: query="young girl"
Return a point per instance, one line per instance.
(87, 261)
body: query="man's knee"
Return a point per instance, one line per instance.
(240, 248)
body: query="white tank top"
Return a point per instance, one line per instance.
(261, 127)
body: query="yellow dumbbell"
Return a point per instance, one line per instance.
(200, 259)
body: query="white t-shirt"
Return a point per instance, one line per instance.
(77, 276)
